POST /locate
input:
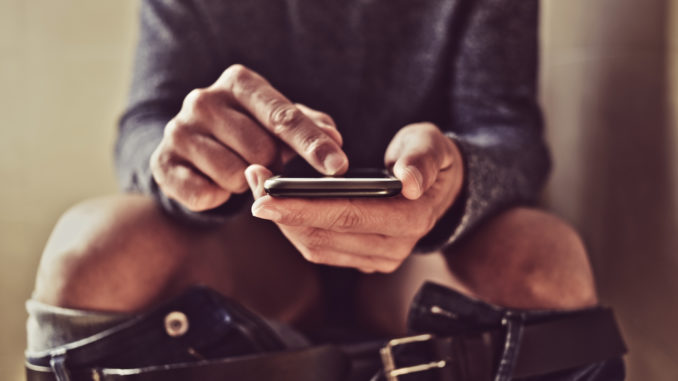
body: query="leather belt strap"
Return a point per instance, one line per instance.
(569, 342)
(545, 347)
(317, 363)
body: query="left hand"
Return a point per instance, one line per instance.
(374, 234)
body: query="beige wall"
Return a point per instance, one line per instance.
(64, 68)
(673, 90)
(606, 92)
(608, 81)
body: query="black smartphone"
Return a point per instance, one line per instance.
(364, 182)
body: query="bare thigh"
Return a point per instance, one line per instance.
(122, 253)
(522, 258)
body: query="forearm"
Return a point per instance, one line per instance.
(494, 117)
(173, 57)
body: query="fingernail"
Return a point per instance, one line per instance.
(334, 162)
(266, 213)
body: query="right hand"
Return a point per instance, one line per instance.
(237, 121)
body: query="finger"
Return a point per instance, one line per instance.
(256, 175)
(371, 245)
(341, 259)
(245, 137)
(323, 121)
(218, 163)
(392, 217)
(184, 184)
(282, 118)
(417, 153)
(366, 270)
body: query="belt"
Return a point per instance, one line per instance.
(544, 347)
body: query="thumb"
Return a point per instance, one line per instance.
(411, 177)
(256, 175)
(417, 154)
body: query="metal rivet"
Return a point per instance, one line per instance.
(176, 323)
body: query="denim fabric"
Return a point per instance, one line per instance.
(49, 327)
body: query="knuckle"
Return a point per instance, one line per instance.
(284, 118)
(184, 186)
(387, 267)
(235, 73)
(316, 256)
(317, 239)
(390, 267)
(238, 79)
(197, 203)
(316, 146)
(192, 203)
(157, 169)
(154, 162)
(176, 136)
(183, 176)
(293, 218)
(348, 219)
(158, 160)
(173, 130)
(198, 100)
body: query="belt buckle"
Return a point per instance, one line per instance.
(391, 373)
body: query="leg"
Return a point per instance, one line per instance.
(123, 254)
(523, 258)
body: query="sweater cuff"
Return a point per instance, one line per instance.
(206, 218)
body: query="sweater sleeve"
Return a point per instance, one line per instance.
(174, 55)
(495, 119)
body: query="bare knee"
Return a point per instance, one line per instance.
(526, 258)
(121, 253)
(99, 256)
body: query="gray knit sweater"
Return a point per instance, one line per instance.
(468, 66)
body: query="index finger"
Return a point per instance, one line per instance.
(392, 217)
(283, 119)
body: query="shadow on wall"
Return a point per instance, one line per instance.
(624, 202)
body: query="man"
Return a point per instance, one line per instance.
(225, 94)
